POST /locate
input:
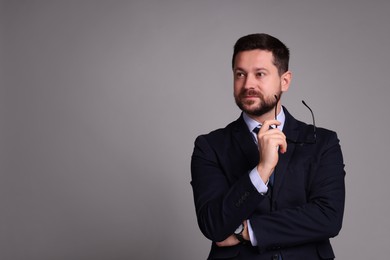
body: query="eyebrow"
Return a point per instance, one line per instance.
(256, 69)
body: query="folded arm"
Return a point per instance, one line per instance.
(220, 206)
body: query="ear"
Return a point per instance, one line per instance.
(285, 80)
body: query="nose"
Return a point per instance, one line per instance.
(250, 81)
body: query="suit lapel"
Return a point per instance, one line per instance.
(246, 143)
(291, 131)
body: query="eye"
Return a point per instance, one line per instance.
(240, 74)
(260, 74)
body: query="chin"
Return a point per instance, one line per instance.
(251, 110)
(252, 107)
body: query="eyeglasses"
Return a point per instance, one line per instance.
(307, 141)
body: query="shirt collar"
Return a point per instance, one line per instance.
(252, 124)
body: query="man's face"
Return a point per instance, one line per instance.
(257, 81)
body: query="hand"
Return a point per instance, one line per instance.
(270, 141)
(232, 240)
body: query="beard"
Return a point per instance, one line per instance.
(264, 106)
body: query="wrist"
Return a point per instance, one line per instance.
(242, 233)
(264, 172)
(239, 234)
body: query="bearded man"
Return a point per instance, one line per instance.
(267, 186)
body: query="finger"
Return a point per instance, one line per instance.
(272, 139)
(273, 134)
(230, 241)
(283, 146)
(267, 123)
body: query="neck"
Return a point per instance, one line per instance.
(267, 116)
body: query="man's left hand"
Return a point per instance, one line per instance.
(232, 240)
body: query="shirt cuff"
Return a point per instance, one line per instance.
(251, 234)
(260, 186)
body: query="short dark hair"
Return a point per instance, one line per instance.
(266, 42)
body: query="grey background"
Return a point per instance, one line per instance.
(101, 102)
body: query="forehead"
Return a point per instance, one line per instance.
(254, 58)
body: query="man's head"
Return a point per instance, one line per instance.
(261, 75)
(262, 41)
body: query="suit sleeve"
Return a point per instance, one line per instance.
(320, 217)
(220, 206)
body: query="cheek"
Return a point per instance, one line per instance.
(273, 84)
(236, 87)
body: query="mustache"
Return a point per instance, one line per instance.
(250, 92)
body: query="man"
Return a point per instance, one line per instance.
(271, 193)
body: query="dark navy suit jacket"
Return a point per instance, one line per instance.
(296, 218)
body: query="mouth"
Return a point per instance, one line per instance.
(249, 100)
(250, 96)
